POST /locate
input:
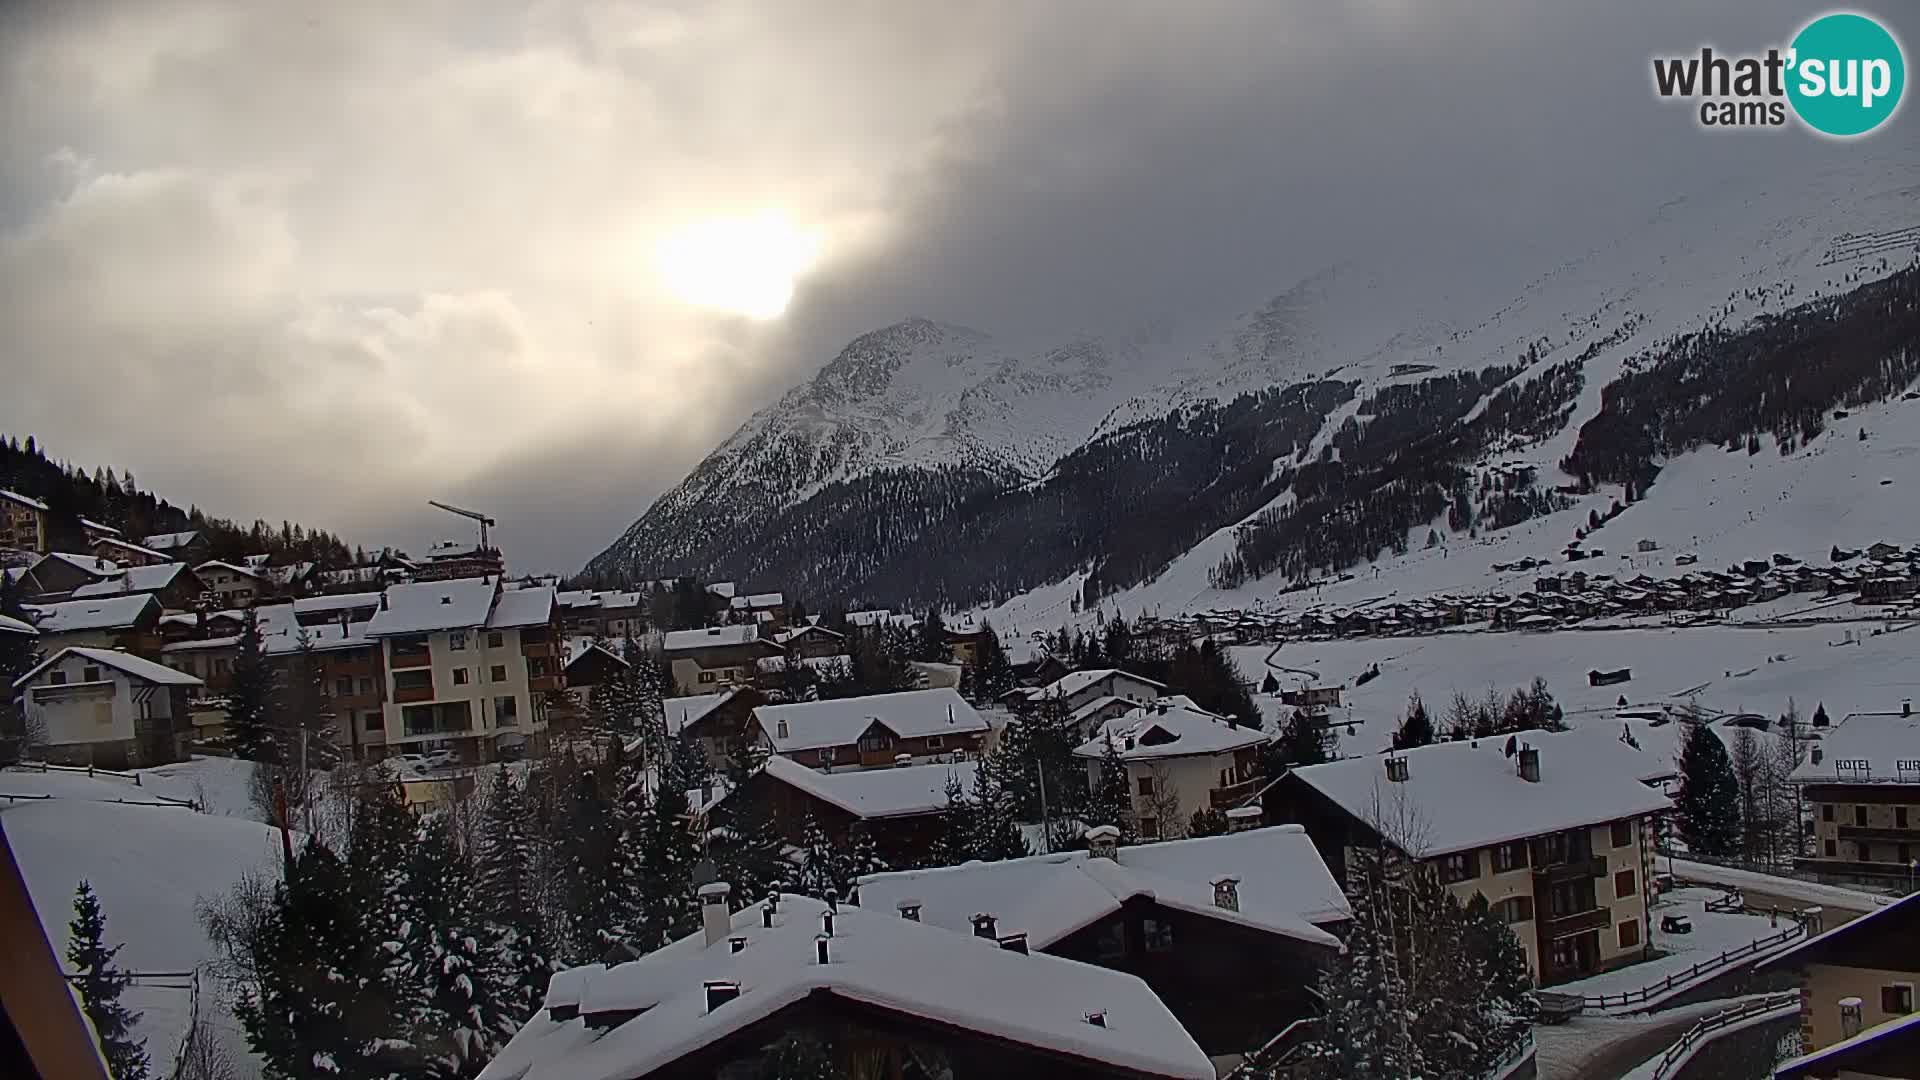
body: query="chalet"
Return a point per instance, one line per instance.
(56, 574)
(1888, 589)
(101, 707)
(1855, 979)
(889, 992)
(1077, 688)
(129, 623)
(1562, 853)
(1862, 783)
(964, 644)
(590, 664)
(605, 614)
(232, 586)
(114, 549)
(333, 608)
(23, 522)
(452, 560)
(1230, 931)
(176, 586)
(190, 546)
(769, 608)
(902, 809)
(1883, 551)
(1312, 697)
(874, 730)
(1179, 760)
(811, 641)
(1040, 671)
(717, 722)
(707, 660)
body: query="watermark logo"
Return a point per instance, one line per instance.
(1842, 75)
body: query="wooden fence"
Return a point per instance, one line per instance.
(1678, 1053)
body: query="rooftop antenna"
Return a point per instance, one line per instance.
(485, 521)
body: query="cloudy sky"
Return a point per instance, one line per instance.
(326, 261)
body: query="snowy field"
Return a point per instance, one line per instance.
(1731, 669)
(149, 862)
(1713, 933)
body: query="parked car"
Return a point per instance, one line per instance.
(1676, 924)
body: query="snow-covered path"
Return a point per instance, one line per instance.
(1607, 1048)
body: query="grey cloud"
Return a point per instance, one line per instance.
(326, 261)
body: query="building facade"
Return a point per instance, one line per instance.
(1862, 785)
(23, 522)
(100, 707)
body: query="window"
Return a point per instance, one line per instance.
(366, 686)
(498, 673)
(1622, 833)
(1826, 812)
(417, 679)
(460, 676)
(343, 687)
(936, 742)
(90, 674)
(1832, 849)
(876, 743)
(56, 677)
(1860, 816)
(1158, 935)
(496, 640)
(1899, 817)
(536, 667)
(1145, 785)
(457, 642)
(1623, 885)
(1629, 933)
(826, 755)
(1459, 867)
(506, 711)
(1149, 828)
(1516, 909)
(373, 721)
(1896, 999)
(706, 677)
(1509, 857)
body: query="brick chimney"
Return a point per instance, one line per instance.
(984, 926)
(909, 910)
(1529, 764)
(714, 918)
(1103, 841)
(1226, 894)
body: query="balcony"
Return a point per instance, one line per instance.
(410, 658)
(446, 718)
(1578, 923)
(1226, 798)
(1593, 866)
(1867, 832)
(407, 694)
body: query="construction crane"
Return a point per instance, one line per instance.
(485, 521)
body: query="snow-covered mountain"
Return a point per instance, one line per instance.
(933, 463)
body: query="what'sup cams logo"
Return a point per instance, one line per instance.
(1842, 76)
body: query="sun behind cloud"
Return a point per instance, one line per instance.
(743, 265)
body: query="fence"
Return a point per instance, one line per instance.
(1679, 1052)
(1726, 961)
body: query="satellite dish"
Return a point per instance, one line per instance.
(1511, 746)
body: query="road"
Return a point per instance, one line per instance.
(1605, 1048)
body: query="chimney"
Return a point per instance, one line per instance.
(901, 761)
(736, 943)
(1098, 1019)
(1817, 755)
(1906, 708)
(1103, 841)
(383, 601)
(1398, 770)
(1242, 818)
(1849, 1017)
(826, 924)
(983, 926)
(820, 949)
(766, 916)
(1015, 943)
(1226, 894)
(1530, 764)
(714, 918)
(719, 993)
(909, 910)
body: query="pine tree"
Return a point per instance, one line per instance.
(1497, 966)
(955, 843)
(992, 673)
(1708, 806)
(380, 839)
(996, 830)
(667, 854)
(1111, 802)
(930, 643)
(507, 894)
(822, 870)
(1417, 728)
(19, 654)
(1207, 822)
(99, 983)
(746, 848)
(863, 855)
(1270, 684)
(1303, 741)
(250, 695)
(459, 1021)
(1364, 988)
(584, 834)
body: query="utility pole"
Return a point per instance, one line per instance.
(1046, 826)
(280, 813)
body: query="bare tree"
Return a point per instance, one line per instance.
(1164, 802)
(1749, 771)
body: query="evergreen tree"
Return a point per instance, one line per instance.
(1708, 806)
(250, 695)
(667, 854)
(19, 654)
(930, 642)
(1417, 728)
(746, 848)
(507, 894)
(1820, 715)
(585, 834)
(823, 871)
(1111, 802)
(1497, 967)
(1303, 741)
(992, 673)
(955, 843)
(996, 830)
(863, 855)
(380, 838)
(99, 983)
(1364, 988)
(459, 1020)
(1207, 822)
(1270, 684)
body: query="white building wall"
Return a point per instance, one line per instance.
(478, 659)
(101, 709)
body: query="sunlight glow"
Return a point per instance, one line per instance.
(744, 265)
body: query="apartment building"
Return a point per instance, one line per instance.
(102, 707)
(876, 730)
(709, 660)
(1855, 980)
(23, 522)
(1179, 760)
(190, 546)
(126, 553)
(1862, 783)
(1558, 843)
(232, 586)
(128, 623)
(468, 663)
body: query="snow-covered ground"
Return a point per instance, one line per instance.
(1649, 1068)
(1713, 933)
(149, 862)
(1809, 893)
(1600, 1047)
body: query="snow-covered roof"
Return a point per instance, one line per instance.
(682, 711)
(109, 613)
(757, 601)
(911, 714)
(1882, 920)
(1155, 731)
(128, 663)
(1867, 748)
(424, 606)
(232, 568)
(15, 626)
(522, 607)
(786, 636)
(134, 579)
(309, 605)
(877, 793)
(16, 497)
(1284, 887)
(169, 541)
(91, 565)
(711, 637)
(880, 617)
(1835, 1060)
(1464, 795)
(123, 545)
(723, 589)
(876, 960)
(1075, 681)
(579, 647)
(99, 526)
